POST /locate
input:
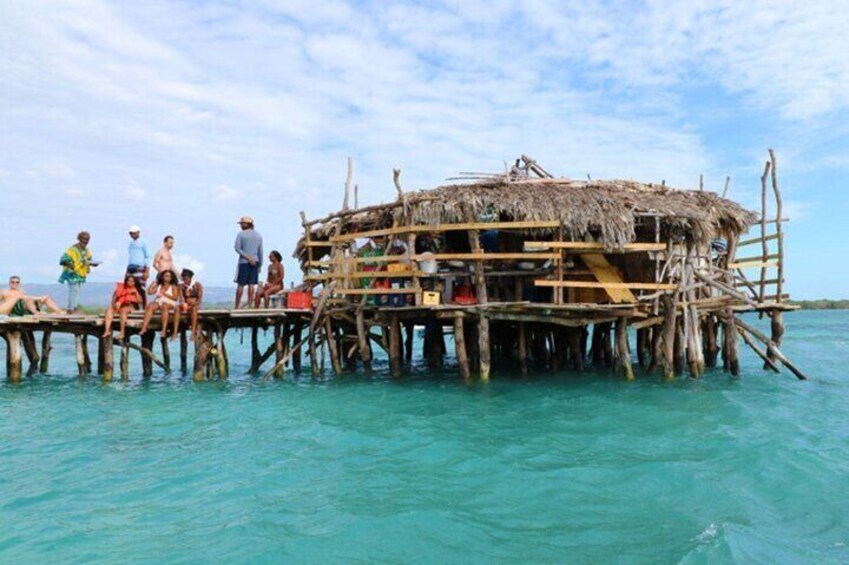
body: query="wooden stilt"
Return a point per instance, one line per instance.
(711, 346)
(409, 338)
(222, 361)
(333, 346)
(166, 352)
(125, 360)
(46, 348)
(596, 346)
(460, 347)
(147, 363)
(483, 347)
(362, 340)
(523, 347)
(623, 356)
(279, 350)
(255, 354)
(576, 347)
(772, 347)
(108, 358)
(667, 336)
(86, 356)
(777, 333)
(184, 352)
(80, 355)
(297, 355)
(606, 348)
(731, 345)
(14, 357)
(101, 353)
(395, 359)
(31, 350)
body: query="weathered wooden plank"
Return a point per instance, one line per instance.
(607, 285)
(524, 225)
(591, 246)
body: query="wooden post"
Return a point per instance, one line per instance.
(108, 358)
(711, 346)
(184, 347)
(125, 360)
(101, 354)
(779, 285)
(45, 351)
(147, 363)
(80, 356)
(777, 333)
(483, 321)
(86, 356)
(255, 354)
(667, 333)
(32, 352)
(166, 353)
(332, 345)
(297, 355)
(596, 348)
(523, 347)
(14, 357)
(643, 347)
(606, 348)
(409, 338)
(395, 360)
(222, 358)
(576, 347)
(730, 351)
(460, 347)
(679, 347)
(764, 246)
(279, 351)
(623, 356)
(362, 340)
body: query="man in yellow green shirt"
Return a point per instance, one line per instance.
(76, 263)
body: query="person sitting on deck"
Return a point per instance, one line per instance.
(191, 292)
(274, 282)
(14, 303)
(167, 298)
(125, 298)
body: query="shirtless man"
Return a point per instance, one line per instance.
(13, 301)
(163, 261)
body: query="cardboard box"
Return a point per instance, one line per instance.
(430, 298)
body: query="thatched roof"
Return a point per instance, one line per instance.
(608, 210)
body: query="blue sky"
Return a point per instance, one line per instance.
(183, 116)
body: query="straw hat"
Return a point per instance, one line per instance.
(245, 220)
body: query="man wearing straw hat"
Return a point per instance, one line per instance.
(249, 248)
(138, 259)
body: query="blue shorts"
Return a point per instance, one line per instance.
(247, 274)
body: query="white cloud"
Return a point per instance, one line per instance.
(223, 193)
(183, 261)
(135, 192)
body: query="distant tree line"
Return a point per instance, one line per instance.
(822, 304)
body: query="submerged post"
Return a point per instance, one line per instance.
(395, 359)
(14, 359)
(45, 351)
(108, 357)
(460, 347)
(623, 356)
(80, 355)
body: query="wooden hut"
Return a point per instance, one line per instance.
(527, 269)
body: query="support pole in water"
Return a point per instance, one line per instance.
(14, 359)
(80, 355)
(166, 353)
(460, 347)
(108, 357)
(623, 356)
(395, 359)
(125, 359)
(31, 351)
(184, 346)
(523, 347)
(45, 351)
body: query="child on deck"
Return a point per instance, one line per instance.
(191, 292)
(125, 298)
(274, 282)
(167, 299)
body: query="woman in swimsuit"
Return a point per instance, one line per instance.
(274, 283)
(125, 298)
(167, 298)
(192, 296)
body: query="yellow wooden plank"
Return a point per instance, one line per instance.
(607, 285)
(377, 275)
(590, 246)
(446, 227)
(755, 258)
(757, 264)
(451, 257)
(605, 273)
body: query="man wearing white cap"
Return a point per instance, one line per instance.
(249, 247)
(138, 258)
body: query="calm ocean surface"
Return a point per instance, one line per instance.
(552, 468)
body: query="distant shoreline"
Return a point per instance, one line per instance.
(821, 304)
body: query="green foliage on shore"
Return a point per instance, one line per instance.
(822, 304)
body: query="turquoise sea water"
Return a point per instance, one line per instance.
(552, 468)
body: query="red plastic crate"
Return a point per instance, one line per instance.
(299, 301)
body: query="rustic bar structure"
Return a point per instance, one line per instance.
(517, 269)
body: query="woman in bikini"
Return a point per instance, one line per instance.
(192, 296)
(125, 298)
(274, 283)
(167, 298)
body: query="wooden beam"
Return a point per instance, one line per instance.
(591, 246)
(758, 239)
(590, 284)
(754, 264)
(528, 225)
(756, 258)
(450, 257)
(364, 291)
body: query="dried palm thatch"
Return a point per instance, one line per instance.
(605, 211)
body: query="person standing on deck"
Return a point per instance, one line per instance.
(249, 248)
(163, 260)
(76, 264)
(138, 257)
